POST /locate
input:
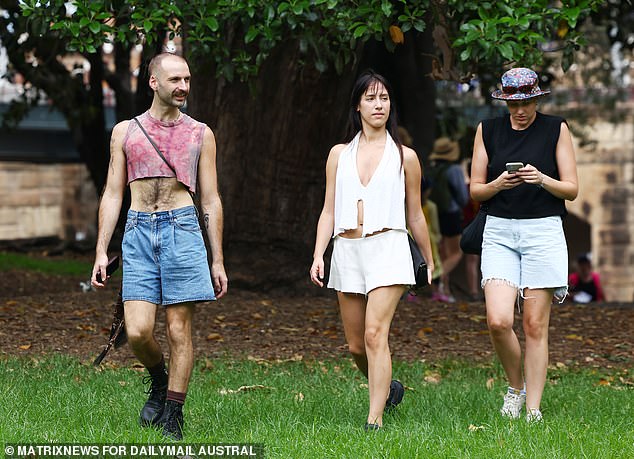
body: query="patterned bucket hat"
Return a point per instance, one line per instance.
(519, 84)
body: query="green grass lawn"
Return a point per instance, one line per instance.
(317, 410)
(10, 260)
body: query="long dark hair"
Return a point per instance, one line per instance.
(367, 79)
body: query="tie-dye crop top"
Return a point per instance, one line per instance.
(180, 141)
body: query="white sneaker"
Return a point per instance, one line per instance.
(534, 415)
(513, 403)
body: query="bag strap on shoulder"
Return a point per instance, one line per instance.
(154, 145)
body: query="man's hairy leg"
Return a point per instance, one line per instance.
(139, 324)
(179, 337)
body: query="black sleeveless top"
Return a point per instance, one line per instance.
(534, 145)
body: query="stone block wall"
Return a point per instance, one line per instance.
(46, 200)
(606, 202)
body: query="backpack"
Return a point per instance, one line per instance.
(440, 192)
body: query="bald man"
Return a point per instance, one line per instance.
(164, 156)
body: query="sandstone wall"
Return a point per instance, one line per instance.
(606, 202)
(44, 200)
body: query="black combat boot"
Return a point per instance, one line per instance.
(155, 405)
(172, 420)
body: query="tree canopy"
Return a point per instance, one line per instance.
(295, 55)
(238, 35)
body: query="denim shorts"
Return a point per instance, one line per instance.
(164, 258)
(526, 253)
(362, 264)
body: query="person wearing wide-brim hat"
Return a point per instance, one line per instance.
(445, 149)
(450, 194)
(524, 249)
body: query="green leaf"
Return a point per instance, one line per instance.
(95, 27)
(468, 26)
(212, 23)
(74, 29)
(251, 34)
(386, 7)
(147, 25)
(83, 22)
(358, 32)
(472, 35)
(506, 50)
(465, 55)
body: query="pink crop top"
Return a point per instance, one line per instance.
(180, 141)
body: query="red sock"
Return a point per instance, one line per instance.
(178, 397)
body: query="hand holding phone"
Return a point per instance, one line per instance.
(513, 167)
(113, 264)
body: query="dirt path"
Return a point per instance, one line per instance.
(42, 314)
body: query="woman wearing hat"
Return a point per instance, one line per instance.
(449, 193)
(524, 249)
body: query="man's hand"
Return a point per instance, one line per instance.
(100, 266)
(219, 278)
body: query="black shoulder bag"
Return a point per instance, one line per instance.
(471, 238)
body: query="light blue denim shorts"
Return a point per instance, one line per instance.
(164, 258)
(526, 253)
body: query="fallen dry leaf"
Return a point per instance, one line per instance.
(473, 428)
(215, 337)
(432, 377)
(25, 347)
(244, 389)
(490, 383)
(299, 397)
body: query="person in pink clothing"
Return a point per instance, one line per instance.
(585, 284)
(164, 156)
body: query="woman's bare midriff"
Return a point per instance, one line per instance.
(157, 194)
(358, 231)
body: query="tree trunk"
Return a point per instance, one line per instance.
(272, 144)
(273, 141)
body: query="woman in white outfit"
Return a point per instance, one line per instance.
(372, 197)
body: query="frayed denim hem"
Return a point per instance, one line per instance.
(559, 293)
(498, 281)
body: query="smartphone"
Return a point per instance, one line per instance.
(513, 167)
(113, 264)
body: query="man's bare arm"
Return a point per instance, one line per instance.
(111, 201)
(211, 207)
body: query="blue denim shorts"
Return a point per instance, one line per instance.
(164, 258)
(526, 253)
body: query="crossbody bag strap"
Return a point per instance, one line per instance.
(154, 145)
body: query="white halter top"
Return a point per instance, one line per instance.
(383, 197)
